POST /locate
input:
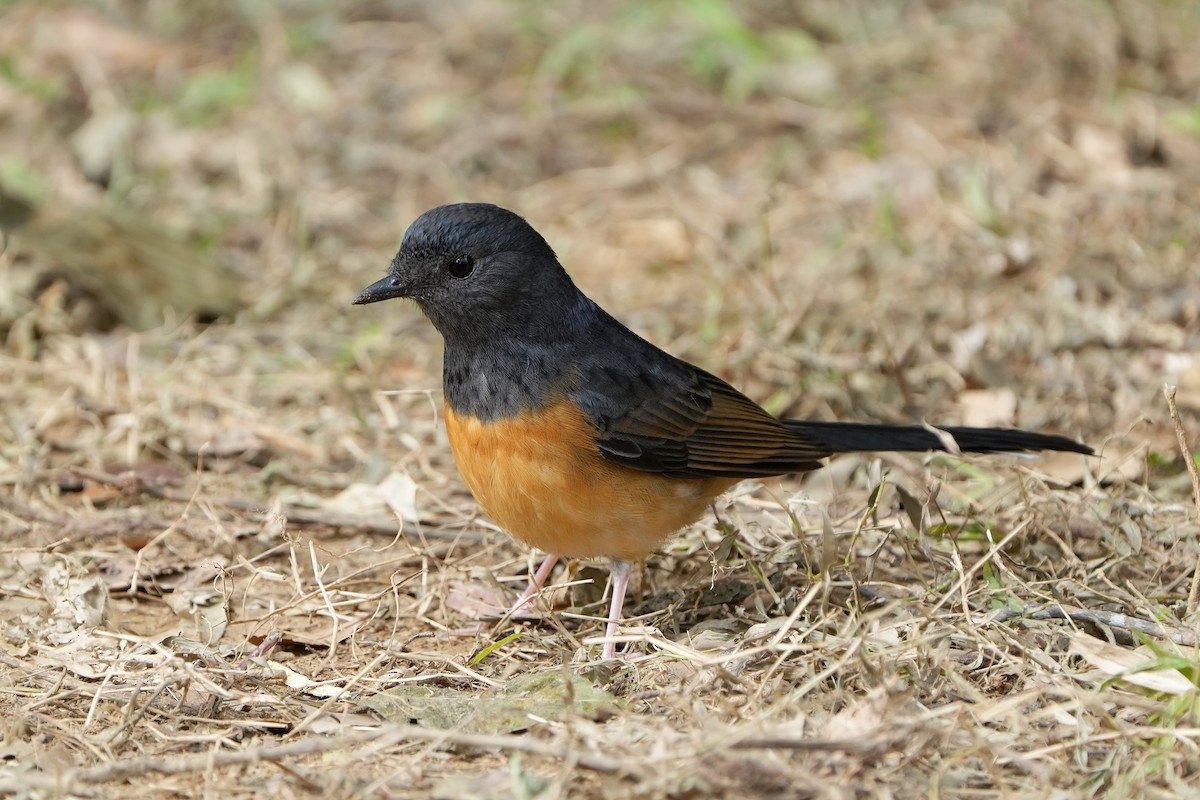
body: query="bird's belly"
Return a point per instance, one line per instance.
(539, 475)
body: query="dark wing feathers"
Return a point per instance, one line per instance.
(688, 423)
(653, 412)
(695, 425)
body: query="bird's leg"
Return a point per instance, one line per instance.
(620, 582)
(536, 582)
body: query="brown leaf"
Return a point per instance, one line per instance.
(481, 600)
(1129, 665)
(988, 408)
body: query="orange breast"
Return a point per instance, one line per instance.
(540, 477)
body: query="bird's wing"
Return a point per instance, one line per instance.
(674, 419)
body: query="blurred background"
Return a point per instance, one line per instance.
(852, 208)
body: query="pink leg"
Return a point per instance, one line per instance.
(536, 582)
(620, 582)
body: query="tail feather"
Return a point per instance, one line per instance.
(855, 437)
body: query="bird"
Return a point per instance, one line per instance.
(578, 436)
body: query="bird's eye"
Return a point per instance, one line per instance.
(461, 265)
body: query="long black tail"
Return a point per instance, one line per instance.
(855, 437)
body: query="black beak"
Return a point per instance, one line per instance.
(384, 289)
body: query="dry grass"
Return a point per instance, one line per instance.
(865, 210)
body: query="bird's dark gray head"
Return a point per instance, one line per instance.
(478, 271)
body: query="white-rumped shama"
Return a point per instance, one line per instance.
(580, 437)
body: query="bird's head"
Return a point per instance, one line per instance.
(478, 270)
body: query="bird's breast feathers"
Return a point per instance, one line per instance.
(540, 475)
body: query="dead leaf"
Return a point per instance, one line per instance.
(1105, 153)
(202, 610)
(1110, 465)
(221, 440)
(54, 757)
(1113, 661)
(396, 494)
(482, 600)
(75, 600)
(303, 683)
(861, 720)
(988, 408)
(82, 30)
(1183, 371)
(662, 240)
(98, 494)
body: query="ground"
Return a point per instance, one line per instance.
(239, 561)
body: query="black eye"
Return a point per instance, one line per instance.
(461, 265)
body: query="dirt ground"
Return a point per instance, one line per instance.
(238, 561)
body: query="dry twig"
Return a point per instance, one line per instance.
(1190, 461)
(1110, 619)
(74, 780)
